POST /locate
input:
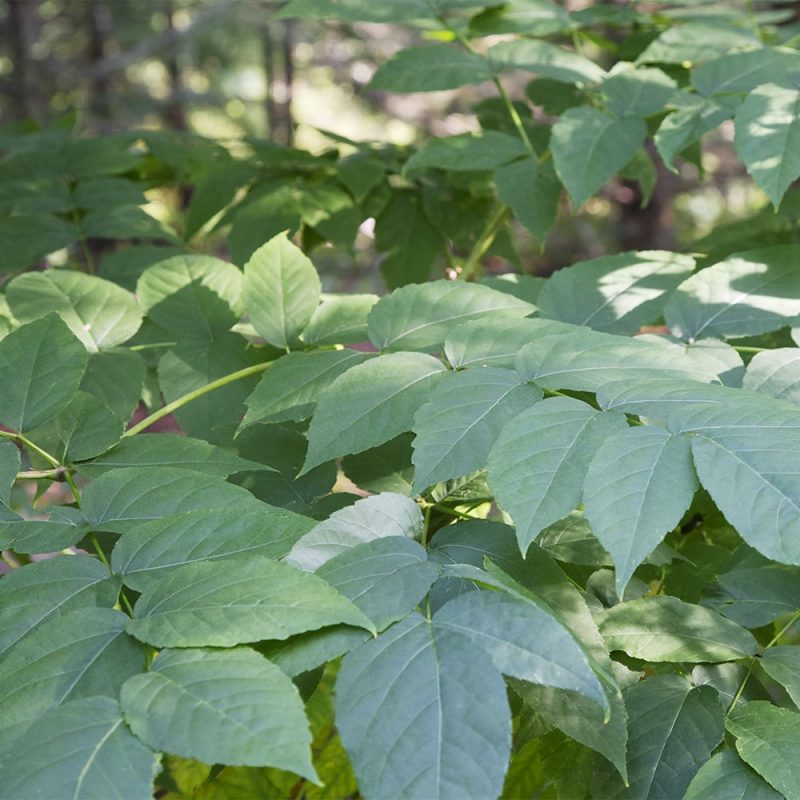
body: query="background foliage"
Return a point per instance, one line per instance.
(314, 484)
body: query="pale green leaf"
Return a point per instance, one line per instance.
(538, 463)
(419, 317)
(430, 69)
(281, 291)
(456, 429)
(160, 545)
(193, 295)
(696, 41)
(407, 714)
(639, 92)
(100, 313)
(84, 429)
(685, 126)
(290, 388)
(616, 294)
(768, 138)
(376, 517)
(115, 378)
(747, 70)
(370, 404)
(524, 640)
(368, 11)
(491, 342)
(768, 739)
(745, 295)
(673, 730)
(664, 628)
(782, 664)
(466, 152)
(589, 147)
(81, 750)
(307, 651)
(775, 373)
(725, 777)
(386, 578)
(41, 536)
(220, 707)
(82, 653)
(234, 600)
(639, 485)
(122, 499)
(172, 451)
(41, 366)
(547, 60)
(37, 592)
(340, 319)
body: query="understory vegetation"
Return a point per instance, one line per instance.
(476, 531)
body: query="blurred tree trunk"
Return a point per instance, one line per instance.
(176, 110)
(21, 28)
(278, 47)
(100, 28)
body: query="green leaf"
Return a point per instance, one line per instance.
(760, 464)
(377, 517)
(290, 388)
(547, 60)
(529, 17)
(673, 730)
(84, 429)
(386, 468)
(413, 690)
(768, 739)
(27, 238)
(585, 360)
(82, 653)
(616, 294)
(386, 578)
(98, 312)
(81, 750)
(775, 373)
(169, 450)
(768, 138)
(370, 404)
(532, 191)
(685, 126)
(41, 366)
(663, 628)
(191, 296)
(725, 777)
(419, 317)
(745, 295)
(340, 319)
(125, 222)
(589, 147)
(456, 429)
(745, 71)
(782, 664)
(638, 92)
(430, 69)
(405, 234)
(234, 600)
(37, 592)
(307, 651)
(490, 341)
(41, 536)
(638, 487)
(115, 378)
(9, 467)
(163, 544)
(125, 266)
(466, 152)
(368, 11)
(696, 41)
(122, 499)
(221, 707)
(524, 640)
(754, 591)
(281, 291)
(538, 463)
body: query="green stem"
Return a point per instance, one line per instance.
(55, 474)
(18, 437)
(794, 618)
(472, 265)
(189, 396)
(451, 511)
(743, 349)
(139, 347)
